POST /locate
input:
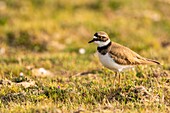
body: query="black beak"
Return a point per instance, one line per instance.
(91, 41)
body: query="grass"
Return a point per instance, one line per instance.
(42, 70)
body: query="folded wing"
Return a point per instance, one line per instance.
(124, 56)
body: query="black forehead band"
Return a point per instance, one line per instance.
(96, 34)
(96, 39)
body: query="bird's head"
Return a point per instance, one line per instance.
(100, 38)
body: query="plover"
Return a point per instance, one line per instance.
(115, 56)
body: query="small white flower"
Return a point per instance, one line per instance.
(21, 74)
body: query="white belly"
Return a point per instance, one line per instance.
(108, 62)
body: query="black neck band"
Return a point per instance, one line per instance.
(104, 49)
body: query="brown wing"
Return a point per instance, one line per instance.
(124, 56)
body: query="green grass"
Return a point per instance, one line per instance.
(47, 34)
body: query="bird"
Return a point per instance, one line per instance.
(117, 57)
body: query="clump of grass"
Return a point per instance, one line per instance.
(25, 40)
(57, 94)
(38, 3)
(3, 20)
(115, 5)
(19, 79)
(14, 4)
(13, 97)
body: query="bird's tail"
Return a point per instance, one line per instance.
(153, 62)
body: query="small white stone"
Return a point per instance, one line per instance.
(42, 71)
(82, 51)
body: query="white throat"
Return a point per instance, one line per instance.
(100, 44)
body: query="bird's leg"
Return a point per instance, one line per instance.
(116, 73)
(119, 79)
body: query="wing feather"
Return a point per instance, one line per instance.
(125, 56)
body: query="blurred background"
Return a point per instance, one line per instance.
(38, 26)
(46, 62)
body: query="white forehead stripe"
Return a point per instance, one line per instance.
(100, 44)
(94, 37)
